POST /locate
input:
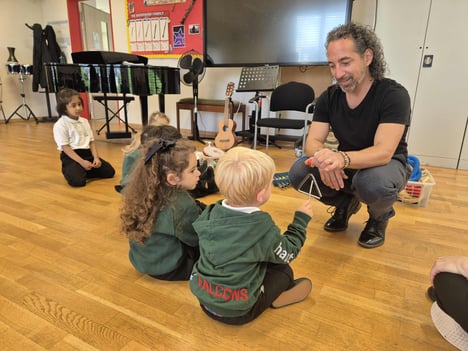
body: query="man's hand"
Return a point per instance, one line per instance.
(333, 178)
(330, 165)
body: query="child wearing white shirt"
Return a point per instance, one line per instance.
(75, 140)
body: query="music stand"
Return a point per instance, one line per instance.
(257, 79)
(27, 110)
(1, 100)
(261, 78)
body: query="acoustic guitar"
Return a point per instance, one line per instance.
(226, 138)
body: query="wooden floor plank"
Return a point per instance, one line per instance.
(66, 282)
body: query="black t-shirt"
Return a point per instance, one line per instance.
(386, 102)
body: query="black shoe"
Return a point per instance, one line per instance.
(339, 220)
(373, 234)
(431, 293)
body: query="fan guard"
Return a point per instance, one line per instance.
(192, 69)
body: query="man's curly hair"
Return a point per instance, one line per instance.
(364, 38)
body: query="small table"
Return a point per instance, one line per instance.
(208, 105)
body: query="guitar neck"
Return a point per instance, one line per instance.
(227, 102)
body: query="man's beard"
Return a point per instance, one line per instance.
(353, 86)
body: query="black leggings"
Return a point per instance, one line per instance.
(76, 175)
(278, 278)
(452, 296)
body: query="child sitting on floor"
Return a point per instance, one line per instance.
(158, 212)
(148, 132)
(75, 141)
(243, 267)
(132, 151)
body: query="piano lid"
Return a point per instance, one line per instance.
(110, 57)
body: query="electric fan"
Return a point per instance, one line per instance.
(192, 71)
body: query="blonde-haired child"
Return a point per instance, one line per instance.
(155, 119)
(243, 267)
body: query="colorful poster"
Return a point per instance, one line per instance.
(164, 28)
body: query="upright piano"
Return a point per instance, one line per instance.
(114, 72)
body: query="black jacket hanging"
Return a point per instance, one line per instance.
(45, 50)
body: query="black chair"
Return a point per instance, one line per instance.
(292, 96)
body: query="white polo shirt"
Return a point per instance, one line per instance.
(76, 133)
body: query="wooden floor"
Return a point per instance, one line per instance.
(66, 282)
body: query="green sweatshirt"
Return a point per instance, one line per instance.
(128, 162)
(162, 252)
(235, 248)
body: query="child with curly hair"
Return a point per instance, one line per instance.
(158, 212)
(150, 131)
(132, 151)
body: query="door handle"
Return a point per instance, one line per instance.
(427, 60)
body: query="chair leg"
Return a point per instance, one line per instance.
(3, 112)
(304, 135)
(267, 139)
(255, 137)
(256, 127)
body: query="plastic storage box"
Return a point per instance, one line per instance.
(418, 193)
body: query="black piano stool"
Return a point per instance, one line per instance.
(103, 99)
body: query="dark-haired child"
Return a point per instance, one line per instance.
(75, 140)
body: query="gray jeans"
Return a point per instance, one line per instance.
(377, 187)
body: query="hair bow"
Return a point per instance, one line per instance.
(161, 145)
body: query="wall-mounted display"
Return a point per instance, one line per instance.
(164, 28)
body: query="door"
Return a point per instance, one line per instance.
(401, 26)
(423, 42)
(96, 34)
(441, 104)
(95, 28)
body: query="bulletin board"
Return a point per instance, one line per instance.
(164, 28)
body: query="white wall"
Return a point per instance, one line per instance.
(364, 11)
(14, 33)
(213, 85)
